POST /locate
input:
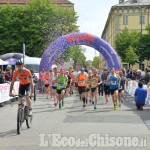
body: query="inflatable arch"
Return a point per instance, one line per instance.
(60, 44)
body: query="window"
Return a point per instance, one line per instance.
(142, 19)
(125, 20)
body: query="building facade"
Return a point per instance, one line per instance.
(128, 14)
(61, 3)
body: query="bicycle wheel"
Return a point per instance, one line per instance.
(19, 120)
(29, 119)
(34, 94)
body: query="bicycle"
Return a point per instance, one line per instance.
(23, 114)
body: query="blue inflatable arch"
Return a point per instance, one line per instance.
(60, 44)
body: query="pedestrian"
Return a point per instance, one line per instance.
(140, 96)
(138, 75)
(104, 77)
(41, 79)
(61, 87)
(8, 75)
(146, 78)
(114, 81)
(2, 80)
(82, 82)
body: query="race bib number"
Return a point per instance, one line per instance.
(61, 85)
(94, 84)
(55, 84)
(82, 82)
(113, 82)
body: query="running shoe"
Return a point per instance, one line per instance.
(95, 107)
(108, 95)
(120, 104)
(62, 103)
(55, 104)
(122, 100)
(116, 103)
(60, 106)
(90, 101)
(86, 102)
(115, 107)
(84, 105)
(102, 97)
(99, 97)
(106, 101)
(93, 102)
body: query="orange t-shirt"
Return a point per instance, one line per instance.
(23, 76)
(82, 80)
(46, 79)
(71, 75)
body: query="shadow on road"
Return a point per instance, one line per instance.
(8, 133)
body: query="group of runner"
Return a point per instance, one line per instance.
(89, 84)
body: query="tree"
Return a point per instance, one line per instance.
(95, 62)
(77, 54)
(124, 40)
(37, 25)
(131, 56)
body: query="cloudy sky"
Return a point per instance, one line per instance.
(92, 18)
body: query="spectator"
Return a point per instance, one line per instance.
(140, 94)
(2, 77)
(2, 80)
(131, 75)
(138, 75)
(41, 80)
(8, 75)
(145, 79)
(127, 73)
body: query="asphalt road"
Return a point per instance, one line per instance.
(78, 127)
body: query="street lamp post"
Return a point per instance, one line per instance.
(140, 65)
(141, 21)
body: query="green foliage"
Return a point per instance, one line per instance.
(96, 62)
(131, 56)
(124, 40)
(77, 54)
(37, 25)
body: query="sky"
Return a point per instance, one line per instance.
(92, 18)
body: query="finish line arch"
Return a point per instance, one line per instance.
(63, 42)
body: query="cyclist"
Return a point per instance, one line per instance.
(26, 81)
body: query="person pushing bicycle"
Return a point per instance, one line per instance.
(25, 84)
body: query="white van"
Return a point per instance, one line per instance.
(32, 63)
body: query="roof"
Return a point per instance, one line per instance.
(61, 2)
(133, 3)
(14, 1)
(27, 1)
(127, 3)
